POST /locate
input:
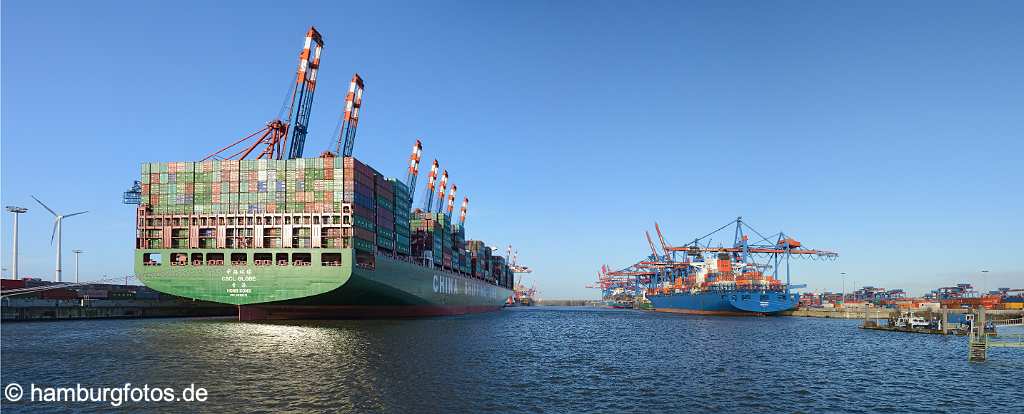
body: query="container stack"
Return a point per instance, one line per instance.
(359, 190)
(385, 198)
(381, 210)
(446, 240)
(403, 206)
(304, 185)
(459, 256)
(428, 231)
(498, 269)
(479, 258)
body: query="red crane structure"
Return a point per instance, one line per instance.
(273, 137)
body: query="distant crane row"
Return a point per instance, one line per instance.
(666, 266)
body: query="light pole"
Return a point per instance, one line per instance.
(77, 253)
(14, 245)
(843, 276)
(984, 282)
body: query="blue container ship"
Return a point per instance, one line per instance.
(725, 302)
(750, 277)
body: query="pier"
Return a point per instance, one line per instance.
(979, 341)
(16, 309)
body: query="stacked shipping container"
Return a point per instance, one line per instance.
(427, 236)
(303, 185)
(382, 218)
(359, 187)
(403, 205)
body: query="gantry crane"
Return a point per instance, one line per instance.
(462, 214)
(414, 169)
(665, 266)
(133, 195)
(272, 140)
(451, 203)
(629, 281)
(350, 119)
(440, 192)
(775, 250)
(428, 201)
(514, 263)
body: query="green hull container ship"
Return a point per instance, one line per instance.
(319, 238)
(282, 236)
(319, 290)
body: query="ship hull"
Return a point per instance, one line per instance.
(391, 288)
(726, 303)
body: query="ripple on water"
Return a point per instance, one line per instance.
(519, 360)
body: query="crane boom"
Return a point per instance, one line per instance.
(350, 120)
(651, 243)
(428, 202)
(414, 169)
(661, 238)
(273, 137)
(451, 202)
(440, 191)
(462, 215)
(302, 96)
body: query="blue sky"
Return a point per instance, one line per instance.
(888, 132)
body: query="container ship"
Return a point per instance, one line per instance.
(697, 278)
(287, 237)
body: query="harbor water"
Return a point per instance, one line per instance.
(541, 359)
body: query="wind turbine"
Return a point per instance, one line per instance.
(58, 218)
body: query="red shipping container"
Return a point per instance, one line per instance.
(61, 294)
(6, 284)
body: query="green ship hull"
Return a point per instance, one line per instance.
(392, 287)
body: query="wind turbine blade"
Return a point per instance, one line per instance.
(54, 234)
(75, 214)
(44, 206)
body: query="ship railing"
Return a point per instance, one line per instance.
(237, 263)
(151, 263)
(334, 263)
(261, 262)
(197, 263)
(215, 262)
(302, 263)
(179, 263)
(282, 263)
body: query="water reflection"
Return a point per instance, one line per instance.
(521, 360)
